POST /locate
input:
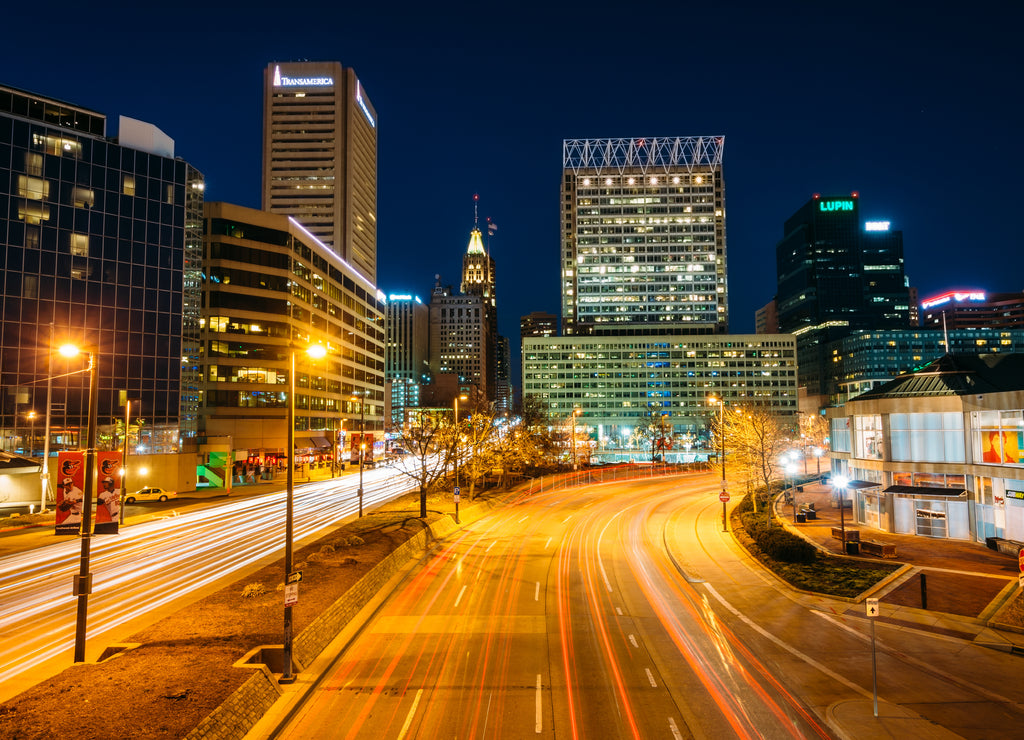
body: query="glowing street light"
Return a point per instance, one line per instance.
(315, 351)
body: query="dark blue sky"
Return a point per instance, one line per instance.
(916, 108)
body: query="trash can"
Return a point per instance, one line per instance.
(799, 489)
(853, 548)
(801, 518)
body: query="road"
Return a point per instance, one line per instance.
(623, 611)
(153, 566)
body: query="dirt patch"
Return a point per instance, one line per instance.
(182, 670)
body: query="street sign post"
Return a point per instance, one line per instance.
(291, 594)
(457, 505)
(294, 577)
(871, 608)
(724, 497)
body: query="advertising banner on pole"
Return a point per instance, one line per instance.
(70, 493)
(108, 498)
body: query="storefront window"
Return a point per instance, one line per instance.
(999, 437)
(869, 442)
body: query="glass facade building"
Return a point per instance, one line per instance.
(643, 236)
(98, 236)
(270, 288)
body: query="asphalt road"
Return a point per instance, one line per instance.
(623, 611)
(152, 567)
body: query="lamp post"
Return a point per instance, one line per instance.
(575, 412)
(317, 350)
(360, 396)
(791, 472)
(83, 582)
(32, 431)
(817, 458)
(721, 428)
(124, 456)
(456, 493)
(840, 482)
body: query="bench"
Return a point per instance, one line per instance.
(879, 549)
(852, 535)
(809, 512)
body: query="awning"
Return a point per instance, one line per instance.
(928, 491)
(320, 442)
(863, 484)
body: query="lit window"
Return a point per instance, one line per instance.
(128, 185)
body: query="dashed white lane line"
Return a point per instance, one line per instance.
(493, 543)
(523, 519)
(632, 639)
(618, 610)
(412, 713)
(675, 730)
(650, 677)
(536, 592)
(460, 595)
(547, 544)
(537, 725)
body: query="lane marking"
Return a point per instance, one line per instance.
(493, 543)
(632, 639)
(567, 519)
(412, 713)
(547, 544)
(675, 730)
(786, 646)
(536, 592)
(523, 519)
(618, 610)
(650, 677)
(537, 725)
(460, 595)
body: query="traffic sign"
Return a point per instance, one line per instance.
(291, 594)
(457, 490)
(293, 577)
(1020, 559)
(456, 498)
(872, 607)
(723, 497)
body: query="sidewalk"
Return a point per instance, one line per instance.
(964, 583)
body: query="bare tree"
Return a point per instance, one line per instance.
(425, 440)
(756, 439)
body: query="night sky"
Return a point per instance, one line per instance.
(910, 107)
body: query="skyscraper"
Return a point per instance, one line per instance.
(836, 276)
(643, 236)
(479, 278)
(100, 241)
(320, 156)
(406, 366)
(458, 337)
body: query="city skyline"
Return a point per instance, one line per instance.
(906, 109)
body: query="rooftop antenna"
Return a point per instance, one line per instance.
(476, 206)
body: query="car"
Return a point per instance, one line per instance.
(149, 494)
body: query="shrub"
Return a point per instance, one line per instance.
(252, 590)
(777, 542)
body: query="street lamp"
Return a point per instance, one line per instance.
(840, 482)
(316, 351)
(721, 428)
(82, 586)
(575, 412)
(360, 396)
(817, 458)
(455, 495)
(32, 431)
(791, 472)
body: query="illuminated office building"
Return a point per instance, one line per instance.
(479, 279)
(271, 286)
(406, 365)
(973, 309)
(102, 241)
(458, 338)
(320, 157)
(643, 236)
(836, 276)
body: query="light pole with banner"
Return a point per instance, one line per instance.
(361, 397)
(724, 495)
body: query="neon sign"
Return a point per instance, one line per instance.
(835, 205)
(876, 226)
(281, 80)
(956, 296)
(362, 104)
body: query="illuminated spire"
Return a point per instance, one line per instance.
(476, 242)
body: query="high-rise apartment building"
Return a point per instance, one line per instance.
(643, 236)
(407, 365)
(835, 276)
(272, 288)
(458, 337)
(973, 309)
(320, 156)
(101, 245)
(538, 324)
